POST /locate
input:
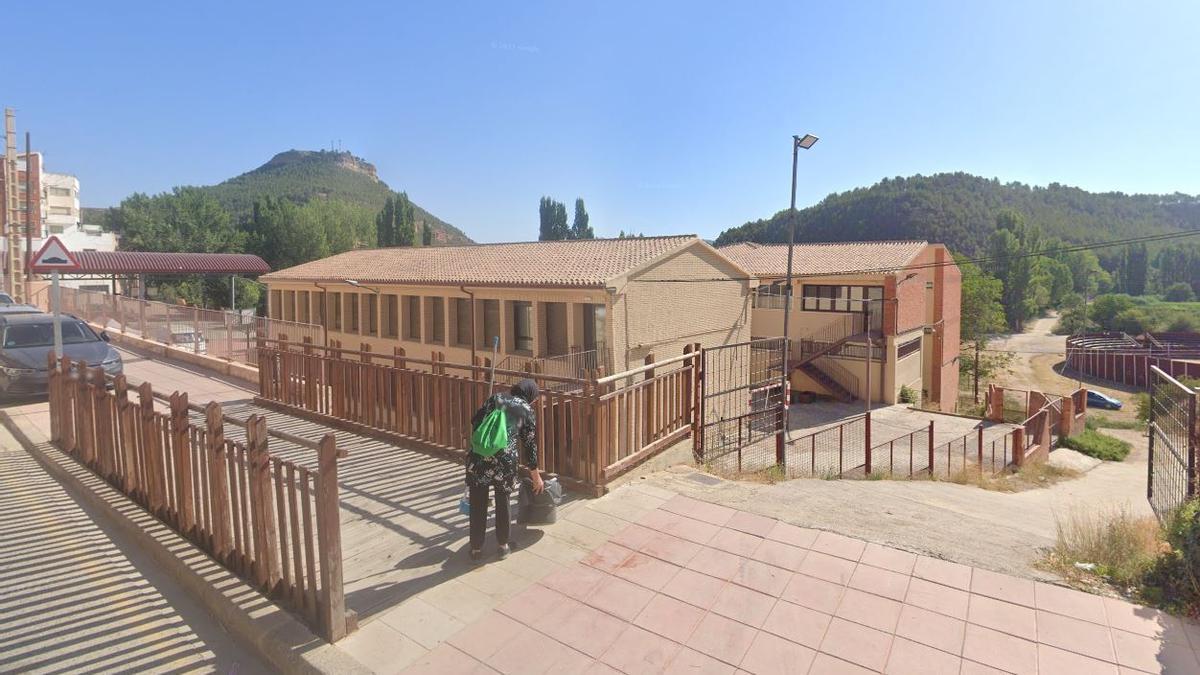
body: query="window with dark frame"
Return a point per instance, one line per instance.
(372, 301)
(352, 312)
(491, 322)
(833, 298)
(412, 317)
(335, 310)
(391, 313)
(462, 321)
(276, 304)
(522, 326)
(437, 320)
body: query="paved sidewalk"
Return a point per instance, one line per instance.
(694, 587)
(76, 597)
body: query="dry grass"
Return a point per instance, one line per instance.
(1031, 476)
(1119, 546)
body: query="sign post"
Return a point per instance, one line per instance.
(54, 258)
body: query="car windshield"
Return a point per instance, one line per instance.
(42, 334)
(6, 299)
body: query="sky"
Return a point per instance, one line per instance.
(665, 117)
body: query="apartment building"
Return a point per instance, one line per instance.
(573, 305)
(899, 299)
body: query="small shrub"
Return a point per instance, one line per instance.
(1180, 292)
(907, 395)
(1095, 444)
(1098, 421)
(1184, 324)
(1174, 581)
(1122, 547)
(1141, 402)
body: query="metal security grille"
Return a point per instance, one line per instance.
(741, 405)
(1173, 441)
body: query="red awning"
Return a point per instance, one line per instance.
(146, 262)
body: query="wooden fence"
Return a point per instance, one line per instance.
(589, 431)
(271, 521)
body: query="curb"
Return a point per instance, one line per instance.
(272, 633)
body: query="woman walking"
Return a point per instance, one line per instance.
(498, 473)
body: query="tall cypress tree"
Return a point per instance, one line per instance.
(580, 227)
(427, 235)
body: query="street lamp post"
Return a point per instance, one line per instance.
(798, 142)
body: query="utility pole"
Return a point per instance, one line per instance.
(30, 200)
(798, 142)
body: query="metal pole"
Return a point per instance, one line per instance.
(233, 292)
(29, 201)
(787, 302)
(56, 301)
(867, 398)
(976, 369)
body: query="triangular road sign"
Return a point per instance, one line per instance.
(53, 256)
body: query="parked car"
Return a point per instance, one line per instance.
(6, 299)
(8, 310)
(26, 340)
(1096, 399)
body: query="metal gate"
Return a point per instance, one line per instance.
(741, 405)
(1173, 441)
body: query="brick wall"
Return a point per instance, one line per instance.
(950, 285)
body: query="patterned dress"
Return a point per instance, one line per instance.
(500, 470)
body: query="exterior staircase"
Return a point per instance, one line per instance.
(813, 352)
(835, 388)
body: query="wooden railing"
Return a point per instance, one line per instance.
(588, 431)
(271, 521)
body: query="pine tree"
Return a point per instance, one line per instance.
(580, 228)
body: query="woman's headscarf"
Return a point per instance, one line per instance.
(526, 389)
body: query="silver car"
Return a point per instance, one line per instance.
(27, 340)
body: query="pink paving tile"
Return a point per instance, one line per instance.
(825, 664)
(670, 618)
(486, 635)
(838, 545)
(857, 644)
(744, 605)
(943, 572)
(762, 577)
(751, 523)
(1070, 602)
(772, 655)
(700, 510)
(735, 542)
(1075, 635)
(446, 659)
(576, 581)
(999, 650)
(813, 593)
(973, 668)
(533, 603)
(1061, 662)
(620, 598)
(694, 588)
(792, 534)
(582, 628)
(722, 638)
(640, 651)
(869, 610)
(1153, 656)
(671, 549)
(798, 624)
(633, 536)
(1146, 621)
(888, 558)
(827, 567)
(716, 563)
(607, 556)
(932, 629)
(691, 662)
(679, 526)
(1003, 616)
(912, 658)
(1003, 587)
(531, 652)
(780, 554)
(601, 668)
(643, 570)
(937, 598)
(880, 582)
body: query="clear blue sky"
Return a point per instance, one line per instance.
(666, 117)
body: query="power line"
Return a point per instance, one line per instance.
(982, 259)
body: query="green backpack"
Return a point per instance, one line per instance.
(491, 436)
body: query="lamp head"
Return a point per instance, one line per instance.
(806, 141)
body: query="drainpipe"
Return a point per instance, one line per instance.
(473, 333)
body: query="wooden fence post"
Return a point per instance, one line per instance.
(105, 432)
(128, 426)
(85, 436)
(214, 452)
(151, 449)
(66, 418)
(182, 443)
(329, 540)
(266, 534)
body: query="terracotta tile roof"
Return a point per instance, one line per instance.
(137, 262)
(583, 263)
(827, 258)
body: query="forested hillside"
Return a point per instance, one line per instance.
(960, 210)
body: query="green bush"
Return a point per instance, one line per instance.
(1098, 421)
(1180, 292)
(907, 395)
(1174, 581)
(1095, 444)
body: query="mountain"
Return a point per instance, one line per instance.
(959, 210)
(302, 175)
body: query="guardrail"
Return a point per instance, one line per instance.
(273, 522)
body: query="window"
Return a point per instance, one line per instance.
(60, 210)
(372, 300)
(828, 298)
(56, 228)
(319, 309)
(436, 308)
(276, 304)
(302, 308)
(335, 310)
(289, 305)
(491, 322)
(58, 192)
(412, 317)
(593, 328)
(462, 321)
(913, 345)
(522, 318)
(391, 316)
(352, 312)
(556, 328)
